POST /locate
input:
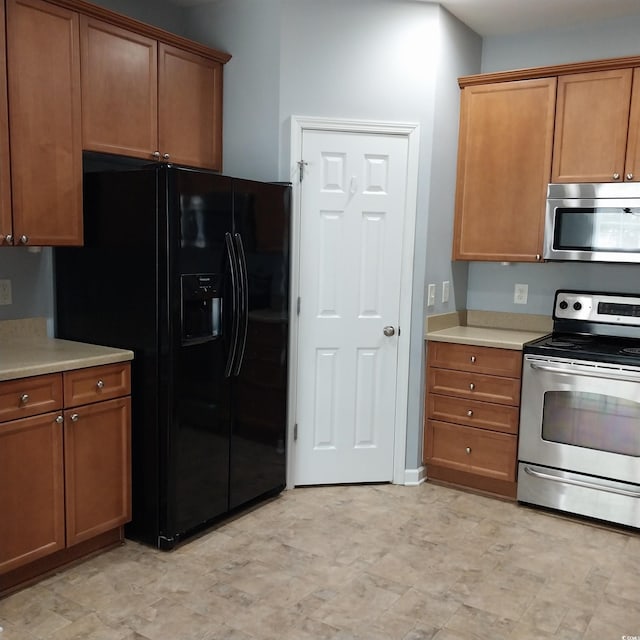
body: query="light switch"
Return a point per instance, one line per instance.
(431, 295)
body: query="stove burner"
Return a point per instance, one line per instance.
(631, 350)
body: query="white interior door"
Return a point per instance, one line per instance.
(352, 207)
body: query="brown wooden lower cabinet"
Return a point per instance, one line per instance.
(471, 416)
(65, 475)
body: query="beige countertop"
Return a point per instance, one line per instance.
(485, 337)
(487, 329)
(24, 356)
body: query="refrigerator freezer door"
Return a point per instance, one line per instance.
(199, 210)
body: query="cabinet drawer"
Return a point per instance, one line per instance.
(463, 357)
(30, 396)
(474, 386)
(93, 384)
(477, 451)
(485, 415)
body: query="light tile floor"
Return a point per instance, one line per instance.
(375, 562)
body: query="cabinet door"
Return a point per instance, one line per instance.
(97, 468)
(632, 163)
(190, 108)
(31, 490)
(5, 176)
(119, 90)
(504, 164)
(44, 109)
(591, 126)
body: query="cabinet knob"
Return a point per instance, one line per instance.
(470, 412)
(629, 176)
(538, 257)
(156, 155)
(468, 450)
(74, 417)
(59, 419)
(100, 384)
(472, 386)
(616, 176)
(24, 398)
(165, 156)
(24, 239)
(473, 359)
(8, 239)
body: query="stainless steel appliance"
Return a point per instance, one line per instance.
(188, 269)
(593, 222)
(579, 447)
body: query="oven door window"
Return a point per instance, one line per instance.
(597, 229)
(592, 420)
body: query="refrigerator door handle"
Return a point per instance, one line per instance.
(235, 295)
(244, 304)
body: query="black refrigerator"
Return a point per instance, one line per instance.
(190, 270)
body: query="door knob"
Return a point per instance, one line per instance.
(389, 330)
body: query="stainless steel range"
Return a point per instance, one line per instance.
(579, 448)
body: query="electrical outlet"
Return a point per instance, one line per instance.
(520, 293)
(445, 291)
(431, 295)
(5, 292)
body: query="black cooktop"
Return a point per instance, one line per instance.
(613, 349)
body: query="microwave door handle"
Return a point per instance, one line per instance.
(235, 316)
(597, 373)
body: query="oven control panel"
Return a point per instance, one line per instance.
(618, 308)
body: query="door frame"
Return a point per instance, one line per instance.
(411, 131)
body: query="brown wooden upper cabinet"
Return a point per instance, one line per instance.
(597, 127)
(146, 99)
(43, 69)
(504, 165)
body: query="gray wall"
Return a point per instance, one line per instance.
(29, 271)
(491, 284)
(159, 14)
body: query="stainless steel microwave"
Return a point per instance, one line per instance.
(593, 222)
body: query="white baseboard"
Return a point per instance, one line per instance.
(414, 477)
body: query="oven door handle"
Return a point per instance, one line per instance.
(596, 373)
(581, 483)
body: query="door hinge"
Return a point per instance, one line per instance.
(298, 306)
(295, 431)
(301, 166)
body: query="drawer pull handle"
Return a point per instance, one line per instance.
(470, 412)
(468, 450)
(473, 359)
(24, 398)
(100, 384)
(74, 417)
(472, 386)
(59, 419)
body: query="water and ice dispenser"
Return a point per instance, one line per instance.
(201, 307)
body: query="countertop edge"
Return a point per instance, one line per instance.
(25, 358)
(485, 337)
